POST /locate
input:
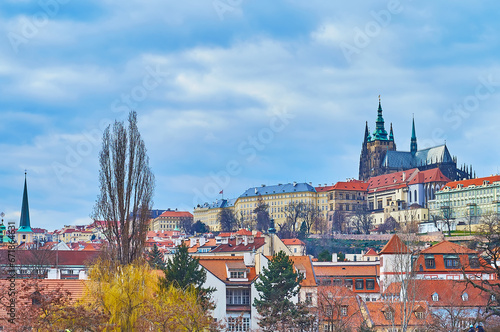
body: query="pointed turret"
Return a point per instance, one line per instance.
(391, 134)
(24, 223)
(367, 133)
(413, 144)
(380, 132)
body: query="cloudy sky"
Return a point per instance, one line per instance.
(232, 94)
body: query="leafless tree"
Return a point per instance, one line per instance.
(227, 220)
(294, 212)
(311, 216)
(489, 243)
(400, 287)
(186, 224)
(338, 309)
(262, 215)
(363, 220)
(126, 190)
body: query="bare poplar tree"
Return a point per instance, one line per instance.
(126, 190)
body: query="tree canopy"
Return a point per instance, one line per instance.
(126, 190)
(278, 287)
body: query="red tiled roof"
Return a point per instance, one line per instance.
(394, 246)
(232, 247)
(430, 175)
(293, 242)
(323, 189)
(351, 185)
(391, 181)
(244, 232)
(305, 261)
(176, 214)
(447, 247)
(217, 266)
(376, 311)
(449, 292)
(52, 257)
(476, 182)
(346, 270)
(371, 252)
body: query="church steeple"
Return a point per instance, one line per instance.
(413, 144)
(380, 132)
(24, 223)
(391, 134)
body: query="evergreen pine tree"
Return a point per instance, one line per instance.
(183, 271)
(155, 258)
(277, 285)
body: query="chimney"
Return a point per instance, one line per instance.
(404, 176)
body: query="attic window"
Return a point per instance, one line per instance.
(343, 310)
(435, 297)
(465, 297)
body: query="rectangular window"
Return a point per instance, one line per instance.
(326, 282)
(343, 310)
(337, 282)
(237, 275)
(238, 324)
(309, 297)
(430, 263)
(348, 283)
(359, 283)
(237, 296)
(474, 261)
(370, 284)
(451, 263)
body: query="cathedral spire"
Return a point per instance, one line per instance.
(24, 223)
(413, 144)
(391, 134)
(380, 132)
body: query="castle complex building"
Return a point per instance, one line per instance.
(379, 155)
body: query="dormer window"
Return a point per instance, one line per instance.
(430, 263)
(451, 261)
(343, 310)
(435, 297)
(465, 297)
(474, 261)
(236, 270)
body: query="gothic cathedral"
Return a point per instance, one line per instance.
(379, 155)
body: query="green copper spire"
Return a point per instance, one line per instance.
(391, 134)
(24, 223)
(380, 132)
(413, 144)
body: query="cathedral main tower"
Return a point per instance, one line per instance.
(375, 148)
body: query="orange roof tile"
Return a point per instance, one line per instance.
(217, 266)
(305, 262)
(346, 270)
(394, 246)
(376, 311)
(292, 242)
(447, 247)
(391, 181)
(430, 175)
(178, 214)
(371, 252)
(476, 182)
(355, 185)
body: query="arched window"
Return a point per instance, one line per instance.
(435, 297)
(410, 196)
(465, 297)
(415, 196)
